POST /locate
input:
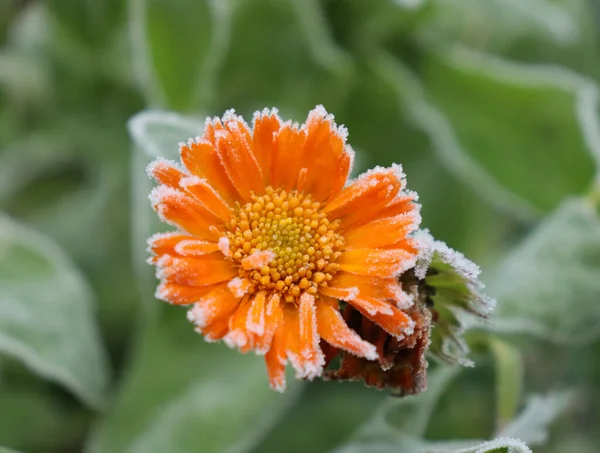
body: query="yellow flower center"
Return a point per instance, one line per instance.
(303, 243)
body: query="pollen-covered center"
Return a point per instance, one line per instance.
(300, 244)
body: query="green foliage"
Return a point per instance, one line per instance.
(539, 292)
(491, 107)
(46, 304)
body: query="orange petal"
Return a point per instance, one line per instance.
(263, 319)
(234, 147)
(367, 288)
(362, 201)
(195, 247)
(266, 125)
(165, 172)
(180, 210)
(209, 197)
(333, 329)
(383, 232)
(238, 338)
(177, 294)
(398, 323)
(287, 155)
(312, 359)
(218, 303)
(195, 271)
(404, 202)
(201, 159)
(216, 330)
(165, 243)
(324, 155)
(275, 359)
(377, 263)
(352, 295)
(273, 318)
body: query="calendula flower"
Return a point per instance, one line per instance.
(269, 240)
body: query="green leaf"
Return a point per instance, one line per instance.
(496, 24)
(424, 115)
(87, 22)
(548, 285)
(532, 423)
(531, 129)
(178, 48)
(458, 292)
(330, 412)
(401, 424)
(185, 395)
(47, 314)
(509, 379)
(302, 67)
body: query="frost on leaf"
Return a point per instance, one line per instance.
(456, 292)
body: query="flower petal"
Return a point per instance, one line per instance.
(383, 232)
(165, 243)
(180, 210)
(404, 202)
(276, 360)
(195, 271)
(312, 356)
(234, 147)
(361, 202)
(195, 247)
(367, 288)
(201, 159)
(333, 329)
(263, 319)
(177, 294)
(324, 155)
(266, 125)
(285, 165)
(238, 335)
(218, 303)
(166, 172)
(377, 263)
(208, 196)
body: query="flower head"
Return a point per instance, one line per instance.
(270, 239)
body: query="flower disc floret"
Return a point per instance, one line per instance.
(305, 244)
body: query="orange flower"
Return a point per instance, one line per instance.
(269, 240)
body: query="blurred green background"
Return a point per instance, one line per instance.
(490, 105)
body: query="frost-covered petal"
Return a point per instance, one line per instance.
(166, 172)
(333, 329)
(201, 159)
(362, 200)
(208, 196)
(264, 131)
(218, 303)
(324, 155)
(180, 210)
(286, 161)
(276, 359)
(234, 147)
(384, 232)
(377, 263)
(195, 271)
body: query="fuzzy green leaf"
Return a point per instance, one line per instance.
(47, 313)
(548, 285)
